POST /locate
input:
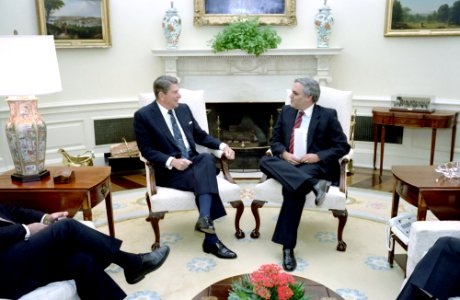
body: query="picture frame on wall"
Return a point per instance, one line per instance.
(222, 12)
(422, 18)
(75, 23)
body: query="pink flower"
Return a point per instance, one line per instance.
(268, 282)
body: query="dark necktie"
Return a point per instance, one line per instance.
(177, 135)
(297, 123)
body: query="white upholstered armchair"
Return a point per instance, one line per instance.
(161, 200)
(270, 191)
(423, 235)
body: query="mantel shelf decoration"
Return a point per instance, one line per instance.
(324, 20)
(247, 35)
(172, 27)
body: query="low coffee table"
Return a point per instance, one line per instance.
(221, 289)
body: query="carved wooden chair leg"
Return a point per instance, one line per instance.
(391, 252)
(155, 218)
(255, 205)
(149, 205)
(239, 205)
(342, 215)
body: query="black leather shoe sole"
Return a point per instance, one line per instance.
(220, 250)
(141, 275)
(320, 190)
(205, 226)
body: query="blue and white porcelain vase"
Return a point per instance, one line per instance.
(172, 27)
(324, 20)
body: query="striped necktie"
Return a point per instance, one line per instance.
(178, 136)
(297, 123)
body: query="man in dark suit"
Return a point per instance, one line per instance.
(437, 274)
(38, 248)
(313, 170)
(167, 135)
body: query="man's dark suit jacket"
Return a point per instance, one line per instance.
(325, 137)
(156, 141)
(12, 233)
(54, 254)
(157, 144)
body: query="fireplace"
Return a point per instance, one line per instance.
(246, 127)
(243, 92)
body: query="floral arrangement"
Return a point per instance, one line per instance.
(267, 283)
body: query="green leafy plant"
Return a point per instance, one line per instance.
(247, 35)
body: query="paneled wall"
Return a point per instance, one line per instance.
(104, 83)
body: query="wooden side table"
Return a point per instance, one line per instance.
(90, 187)
(426, 189)
(439, 119)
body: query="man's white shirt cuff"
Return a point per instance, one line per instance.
(27, 236)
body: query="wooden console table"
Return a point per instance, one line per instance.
(90, 187)
(426, 189)
(438, 119)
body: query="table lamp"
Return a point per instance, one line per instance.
(28, 67)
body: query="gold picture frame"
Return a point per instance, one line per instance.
(76, 23)
(205, 15)
(421, 18)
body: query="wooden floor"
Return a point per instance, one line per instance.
(361, 178)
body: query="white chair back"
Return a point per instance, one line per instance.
(193, 98)
(341, 101)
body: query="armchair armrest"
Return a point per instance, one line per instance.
(150, 176)
(150, 170)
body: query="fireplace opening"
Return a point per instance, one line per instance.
(246, 127)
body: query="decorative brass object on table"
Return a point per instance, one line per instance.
(125, 149)
(84, 159)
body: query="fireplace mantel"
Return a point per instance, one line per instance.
(247, 77)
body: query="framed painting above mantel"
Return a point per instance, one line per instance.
(75, 23)
(221, 12)
(422, 18)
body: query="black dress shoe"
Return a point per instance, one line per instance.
(320, 189)
(205, 224)
(219, 250)
(150, 262)
(289, 262)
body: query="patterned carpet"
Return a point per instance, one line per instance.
(360, 273)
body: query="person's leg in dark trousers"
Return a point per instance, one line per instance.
(437, 272)
(295, 178)
(66, 250)
(289, 219)
(200, 178)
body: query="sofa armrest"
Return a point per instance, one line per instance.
(423, 235)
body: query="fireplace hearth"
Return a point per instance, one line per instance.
(246, 127)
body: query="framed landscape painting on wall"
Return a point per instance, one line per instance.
(220, 12)
(75, 23)
(422, 18)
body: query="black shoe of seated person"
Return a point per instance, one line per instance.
(320, 189)
(205, 225)
(150, 262)
(218, 249)
(289, 261)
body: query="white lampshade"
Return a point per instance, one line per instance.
(28, 65)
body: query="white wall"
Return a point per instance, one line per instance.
(372, 66)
